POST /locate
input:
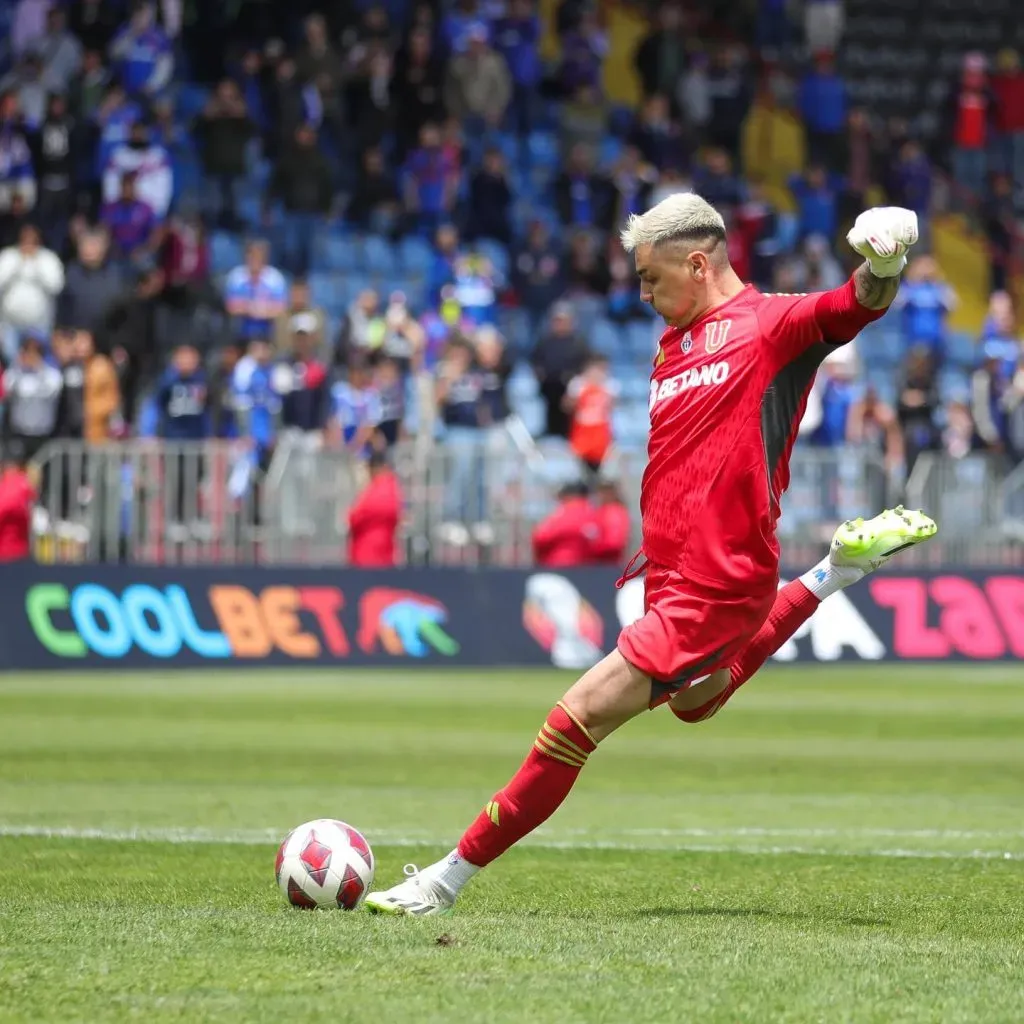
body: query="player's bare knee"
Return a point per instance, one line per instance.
(608, 695)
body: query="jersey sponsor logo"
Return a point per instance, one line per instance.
(695, 377)
(716, 334)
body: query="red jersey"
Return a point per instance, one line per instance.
(590, 435)
(17, 497)
(727, 395)
(373, 523)
(566, 536)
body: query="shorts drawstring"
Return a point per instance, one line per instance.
(629, 573)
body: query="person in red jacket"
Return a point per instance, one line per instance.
(612, 519)
(374, 517)
(17, 497)
(566, 536)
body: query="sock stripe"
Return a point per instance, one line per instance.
(550, 743)
(575, 721)
(560, 737)
(555, 754)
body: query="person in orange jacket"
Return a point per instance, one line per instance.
(17, 498)
(374, 517)
(566, 536)
(613, 525)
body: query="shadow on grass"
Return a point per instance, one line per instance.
(792, 915)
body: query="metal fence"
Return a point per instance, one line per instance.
(468, 502)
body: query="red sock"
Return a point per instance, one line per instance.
(535, 791)
(794, 605)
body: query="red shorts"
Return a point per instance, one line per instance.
(688, 630)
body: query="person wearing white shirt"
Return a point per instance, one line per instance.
(31, 278)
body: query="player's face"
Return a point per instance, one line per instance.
(670, 282)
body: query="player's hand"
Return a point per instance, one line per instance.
(882, 235)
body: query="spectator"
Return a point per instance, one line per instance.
(823, 107)
(17, 176)
(475, 287)
(1000, 226)
(28, 25)
(447, 252)
(478, 89)
(537, 272)
(613, 526)
(319, 62)
(587, 269)
(459, 402)
(31, 278)
(32, 397)
(370, 101)
(12, 222)
(223, 421)
(150, 162)
(252, 84)
(55, 164)
(26, 83)
(693, 96)
(390, 385)
(402, 338)
(918, 405)
(970, 116)
(560, 354)
(910, 186)
(817, 198)
(925, 300)
(631, 184)
(624, 302)
(590, 400)
(93, 284)
(302, 181)
(356, 410)
(93, 22)
(1013, 404)
(958, 435)
(999, 336)
(87, 91)
(820, 270)
(990, 386)
(142, 53)
(459, 26)
(132, 225)
(101, 419)
(257, 402)
(442, 324)
(582, 196)
(362, 330)
(823, 25)
(223, 132)
(418, 88)
(716, 181)
(872, 424)
(583, 121)
(583, 50)
(566, 537)
(729, 95)
(291, 103)
(374, 517)
(1008, 90)
(182, 397)
(490, 201)
(375, 202)
(71, 423)
(660, 59)
(306, 393)
(657, 136)
(140, 341)
(114, 120)
(431, 182)
(256, 293)
(302, 315)
(60, 52)
(17, 499)
(839, 390)
(495, 370)
(185, 261)
(517, 38)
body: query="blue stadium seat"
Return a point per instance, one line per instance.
(531, 412)
(336, 252)
(962, 350)
(415, 255)
(604, 338)
(514, 326)
(642, 339)
(328, 289)
(522, 385)
(954, 386)
(415, 288)
(497, 254)
(611, 150)
(189, 101)
(226, 251)
(378, 256)
(635, 386)
(543, 149)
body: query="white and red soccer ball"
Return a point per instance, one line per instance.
(324, 863)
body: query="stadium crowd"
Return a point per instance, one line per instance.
(344, 224)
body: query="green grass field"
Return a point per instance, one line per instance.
(838, 845)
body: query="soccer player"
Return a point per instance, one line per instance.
(730, 381)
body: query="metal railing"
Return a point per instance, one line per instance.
(474, 500)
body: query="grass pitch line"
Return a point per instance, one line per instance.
(264, 837)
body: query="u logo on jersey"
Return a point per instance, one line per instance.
(687, 342)
(716, 334)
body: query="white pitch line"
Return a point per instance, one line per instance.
(262, 837)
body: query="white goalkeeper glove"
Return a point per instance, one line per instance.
(882, 235)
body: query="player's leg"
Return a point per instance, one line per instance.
(857, 549)
(607, 696)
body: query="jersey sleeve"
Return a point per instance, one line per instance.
(793, 323)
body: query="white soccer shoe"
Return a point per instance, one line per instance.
(417, 896)
(867, 544)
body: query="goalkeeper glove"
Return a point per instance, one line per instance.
(883, 235)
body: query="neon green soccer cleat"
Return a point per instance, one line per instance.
(417, 896)
(866, 544)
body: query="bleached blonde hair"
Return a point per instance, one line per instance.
(682, 215)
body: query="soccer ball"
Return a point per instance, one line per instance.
(324, 863)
